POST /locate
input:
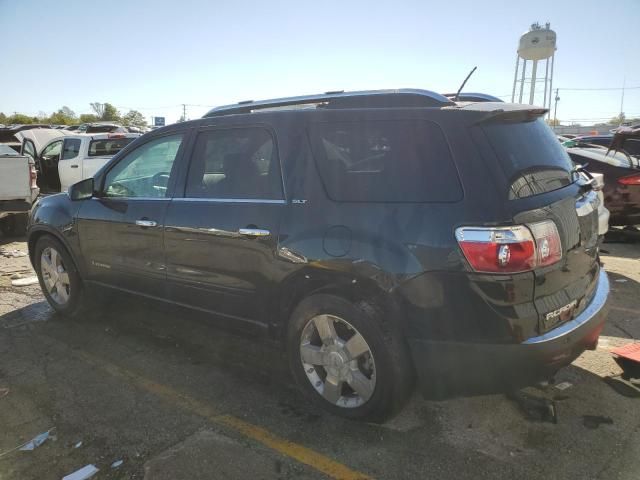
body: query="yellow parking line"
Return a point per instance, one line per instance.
(290, 449)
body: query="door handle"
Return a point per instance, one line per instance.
(74, 166)
(254, 232)
(146, 223)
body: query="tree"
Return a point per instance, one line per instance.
(110, 113)
(3, 118)
(553, 122)
(98, 108)
(88, 118)
(134, 119)
(182, 119)
(20, 119)
(618, 119)
(64, 116)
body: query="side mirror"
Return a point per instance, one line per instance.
(81, 190)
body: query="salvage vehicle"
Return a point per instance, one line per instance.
(380, 236)
(64, 158)
(621, 174)
(18, 190)
(631, 145)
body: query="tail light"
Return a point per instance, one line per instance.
(519, 248)
(630, 180)
(33, 175)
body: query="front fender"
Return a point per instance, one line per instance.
(55, 215)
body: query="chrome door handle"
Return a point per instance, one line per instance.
(254, 232)
(146, 223)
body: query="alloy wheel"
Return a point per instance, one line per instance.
(55, 275)
(337, 361)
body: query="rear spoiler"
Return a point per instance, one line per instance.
(512, 116)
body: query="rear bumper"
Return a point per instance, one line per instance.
(14, 206)
(447, 369)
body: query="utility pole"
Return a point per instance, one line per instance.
(184, 112)
(555, 109)
(624, 84)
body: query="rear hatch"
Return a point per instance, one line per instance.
(540, 184)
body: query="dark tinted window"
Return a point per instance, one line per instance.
(234, 163)
(531, 157)
(70, 148)
(385, 161)
(108, 147)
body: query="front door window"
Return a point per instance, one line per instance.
(145, 172)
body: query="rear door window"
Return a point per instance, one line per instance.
(108, 147)
(235, 163)
(531, 157)
(385, 161)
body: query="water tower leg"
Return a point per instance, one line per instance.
(515, 79)
(532, 90)
(551, 84)
(546, 81)
(524, 71)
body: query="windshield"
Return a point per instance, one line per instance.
(531, 157)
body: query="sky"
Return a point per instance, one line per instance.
(154, 56)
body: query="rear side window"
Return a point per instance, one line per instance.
(385, 161)
(108, 147)
(235, 163)
(531, 157)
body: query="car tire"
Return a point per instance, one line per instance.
(14, 225)
(379, 369)
(59, 277)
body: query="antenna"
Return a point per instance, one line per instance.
(455, 99)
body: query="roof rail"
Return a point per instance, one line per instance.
(404, 97)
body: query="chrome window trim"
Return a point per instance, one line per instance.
(231, 200)
(128, 199)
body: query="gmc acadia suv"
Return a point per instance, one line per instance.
(381, 236)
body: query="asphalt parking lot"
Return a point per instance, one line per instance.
(174, 397)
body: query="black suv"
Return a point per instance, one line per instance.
(378, 235)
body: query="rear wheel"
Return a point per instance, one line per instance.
(58, 276)
(341, 356)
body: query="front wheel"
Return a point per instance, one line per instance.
(342, 356)
(58, 276)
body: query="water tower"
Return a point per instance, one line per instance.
(539, 43)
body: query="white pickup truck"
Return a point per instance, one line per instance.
(18, 190)
(67, 158)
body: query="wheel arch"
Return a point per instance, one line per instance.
(37, 232)
(351, 286)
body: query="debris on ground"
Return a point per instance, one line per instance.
(12, 253)
(564, 385)
(23, 282)
(35, 442)
(535, 408)
(4, 392)
(594, 421)
(85, 472)
(628, 357)
(78, 445)
(117, 463)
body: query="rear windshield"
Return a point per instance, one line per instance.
(101, 128)
(531, 157)
(107, 147)
(385, 161)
